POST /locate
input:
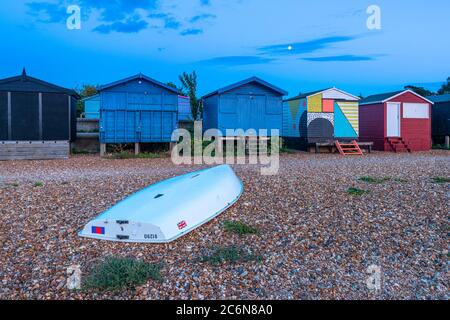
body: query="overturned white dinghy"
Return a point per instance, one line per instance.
(169, 209)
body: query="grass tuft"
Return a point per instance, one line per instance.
(79, 151)
(230, 255)
(121, 273)
(239, 228)
(129, 155)
(440, 147)
(356, 191)
(12, 184)
(287, 151)
(441, 180)
(374, 180)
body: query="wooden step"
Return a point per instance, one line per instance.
(348, 149)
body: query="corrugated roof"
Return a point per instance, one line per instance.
(138, 76)
(383, 97)
(25, 83)
(244, 82)
(441, 98)
(304, 95)
(96, 96)
(378, 98)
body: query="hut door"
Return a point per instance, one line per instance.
(393, 120)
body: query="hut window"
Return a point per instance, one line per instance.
(416, 111)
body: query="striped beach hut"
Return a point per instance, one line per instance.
(320, 116)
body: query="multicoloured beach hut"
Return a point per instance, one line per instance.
(320, 116)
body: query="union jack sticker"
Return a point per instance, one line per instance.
(181, 225)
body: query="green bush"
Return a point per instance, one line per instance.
(38, 184)
(441, 180)
(129, 155)
(356, 191)
(239, 228)
(230, 254)
(119, 273)
(374, 180)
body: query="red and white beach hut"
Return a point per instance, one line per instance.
(396, 121)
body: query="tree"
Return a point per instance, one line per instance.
(173, 85)
(445, 87)
(87, 90)
(420, 91)
(189, 85)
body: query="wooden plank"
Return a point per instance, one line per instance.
(69, 98)
(35, 150)
(40, 116)
(9, 117)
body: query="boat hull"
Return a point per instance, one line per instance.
(169, 209)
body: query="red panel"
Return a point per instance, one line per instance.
(371, 125)
(327, 105)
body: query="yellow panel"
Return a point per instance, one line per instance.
(350, 110)
(315, 103)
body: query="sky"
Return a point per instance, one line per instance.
(297, 45)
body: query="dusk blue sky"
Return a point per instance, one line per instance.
(228, 40)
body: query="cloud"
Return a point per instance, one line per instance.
(191, 32)
(112, 11)
(237, 60)
(343, 58)
(169, 21)
(47, 12)
(305, 46)
(202, 17)
(117, 15)
(132, 25)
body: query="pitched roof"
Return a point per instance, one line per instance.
(383, 97)
(135, 77)
(25, 83)
(309, 94)
(244, 82)
(441, 98)
(95, 96)
(378, 98)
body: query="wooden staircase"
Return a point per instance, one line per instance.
(398, 145)
(348, 149)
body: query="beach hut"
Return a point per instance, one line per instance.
(396, 121)
(185, 118)
(137, 110)
(37, 119)
(92, 107)
(441, 119)
(319, 118)
(249, 104)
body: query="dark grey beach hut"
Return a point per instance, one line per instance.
(37, 119)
